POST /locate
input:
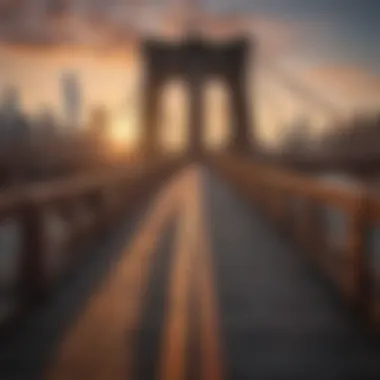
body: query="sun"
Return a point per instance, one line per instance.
(123, 132)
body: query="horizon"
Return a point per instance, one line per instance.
(317, 43)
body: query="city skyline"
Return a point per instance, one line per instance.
(72, 99)
(332, 49)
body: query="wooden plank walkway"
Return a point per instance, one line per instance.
(200, 287)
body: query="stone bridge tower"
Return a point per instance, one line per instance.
(196, 59)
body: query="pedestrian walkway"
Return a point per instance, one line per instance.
(200, 287)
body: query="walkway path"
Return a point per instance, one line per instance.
(203, 289)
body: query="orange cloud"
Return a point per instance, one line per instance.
(268, 31)
(67, 53)
(351, 83)
(67, 33)
(63, 26)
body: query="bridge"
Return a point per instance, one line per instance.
(223, 268)
(199, 266)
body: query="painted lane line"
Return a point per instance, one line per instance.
(173, 364)
(192, 267)
(99, 346)
(211, 348)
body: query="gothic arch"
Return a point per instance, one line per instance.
(196, 61)
(217, 116)
(174, 108)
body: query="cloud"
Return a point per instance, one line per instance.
(271, 33)
(61, 25)
(39, 27)
(353, 84)
(346, 78)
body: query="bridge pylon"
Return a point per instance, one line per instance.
(196, 60)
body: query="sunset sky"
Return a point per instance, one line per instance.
(329, 45)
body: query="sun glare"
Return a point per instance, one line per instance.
(123, 132)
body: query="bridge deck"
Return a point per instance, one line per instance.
(200, 288)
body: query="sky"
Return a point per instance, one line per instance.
(345, 31)
(329, 45)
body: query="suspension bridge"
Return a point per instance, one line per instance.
(200, 266)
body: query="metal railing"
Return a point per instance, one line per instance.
(53, 222)
(338, 227)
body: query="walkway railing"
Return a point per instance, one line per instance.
(337, 226)
(46, 226)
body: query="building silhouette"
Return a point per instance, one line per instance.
(46, 124)
(15, 137)
(10, 100)
(14, 124)
(72, 99)
(99, 122)
(298, 139)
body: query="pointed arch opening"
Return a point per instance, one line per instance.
(173, 117)
(217, 116)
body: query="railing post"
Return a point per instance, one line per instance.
(97, 206)
(276, 196)
(289, 226)
(356, 276)
(304, 222)
(314, 230)
(33, 276)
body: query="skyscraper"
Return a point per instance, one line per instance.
(10, 110)
(99, 122)
(72, 99)
(11, 100)
(14, 125)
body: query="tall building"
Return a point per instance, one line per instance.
(99, 122)
(10, 112)
(46, 123)
(72, 99)
(14, 125)
(11, 100)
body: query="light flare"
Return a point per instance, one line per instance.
(123, 133)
